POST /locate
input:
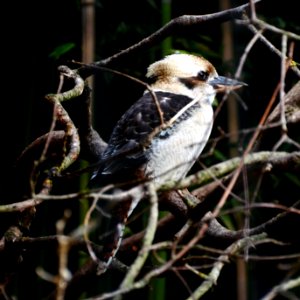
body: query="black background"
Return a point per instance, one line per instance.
(31, 30)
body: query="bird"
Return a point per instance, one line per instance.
(160, 137)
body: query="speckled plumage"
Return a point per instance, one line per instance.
(130, 152)
(176, 84)
(129, 148)
(162, 142)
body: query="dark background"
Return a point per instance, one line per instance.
(31, 30)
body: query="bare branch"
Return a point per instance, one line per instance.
(282, 287)
(147, 240)
(171, 28)
(214, 274)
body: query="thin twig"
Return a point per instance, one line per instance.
(147, 241)
(218, 266)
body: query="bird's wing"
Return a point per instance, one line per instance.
(127, 148)
(126, 156)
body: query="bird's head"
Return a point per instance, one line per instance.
(189, 75)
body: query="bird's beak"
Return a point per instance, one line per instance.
(222, 83)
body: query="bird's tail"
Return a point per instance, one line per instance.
(118, 214)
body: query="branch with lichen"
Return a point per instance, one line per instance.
(212, 277)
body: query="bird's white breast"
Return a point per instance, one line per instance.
(172, 157)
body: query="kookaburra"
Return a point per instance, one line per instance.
(160, 137)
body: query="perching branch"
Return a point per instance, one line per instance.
(168, 29)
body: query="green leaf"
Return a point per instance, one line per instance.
(228, 222)
(219, 155)
(293, 178)
(61, 50)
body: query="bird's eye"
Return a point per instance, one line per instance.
(202, 75)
